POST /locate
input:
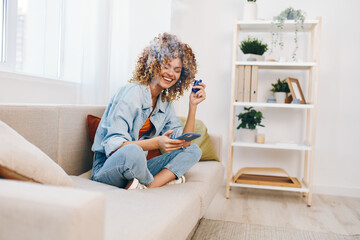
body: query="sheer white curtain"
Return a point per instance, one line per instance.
(102, 39)
(85, 56)
(119, 64)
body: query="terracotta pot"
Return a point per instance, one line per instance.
(288, 99)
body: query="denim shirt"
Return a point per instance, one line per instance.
(126, 114)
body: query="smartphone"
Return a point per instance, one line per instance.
(188, 136)
(196, 83)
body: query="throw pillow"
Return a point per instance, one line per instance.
(21, 160)
(93, 123)
(203, 142)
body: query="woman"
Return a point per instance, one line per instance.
(141, 119)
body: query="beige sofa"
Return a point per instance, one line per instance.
(94, 210)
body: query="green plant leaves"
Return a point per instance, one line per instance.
(278, 21)
(280, 86)
(250, 118)
(254, 46)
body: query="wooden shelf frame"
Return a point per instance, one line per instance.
(266, 26)
(284, 146)
(314, 28)
(274, 105)
(277, 65)
(303, 189)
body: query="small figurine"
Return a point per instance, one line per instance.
(271, 99)
(295, 101)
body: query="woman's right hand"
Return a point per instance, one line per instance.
(167, 144)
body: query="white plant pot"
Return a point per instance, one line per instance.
(254, 57)
(250, 11)
(280, 97)
(247, 135)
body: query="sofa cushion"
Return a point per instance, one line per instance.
(167, 208)
(168, 212)
(74, 148)
(84, 182)
(21, 160)
(204, 179)
(93, 123)
(37, 124)
(34, 211)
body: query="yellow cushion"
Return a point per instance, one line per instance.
(203, 142)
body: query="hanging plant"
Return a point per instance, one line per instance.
(278, 24)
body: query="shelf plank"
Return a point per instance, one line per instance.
(266, 26)
(277, 65)
(283, 146)
(274, 105)
(289, 189)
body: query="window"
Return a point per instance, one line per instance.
(56, 39)
(3, 23)
(38, 37)
(50, 37)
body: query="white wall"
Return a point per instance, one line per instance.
(209, 30)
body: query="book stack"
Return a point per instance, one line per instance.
(247, 83)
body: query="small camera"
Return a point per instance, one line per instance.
(196, 83)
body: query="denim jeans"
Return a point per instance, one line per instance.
(130, 162)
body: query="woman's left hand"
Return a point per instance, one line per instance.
(196, 98)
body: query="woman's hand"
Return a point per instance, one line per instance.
(167, 144)
(199, 96)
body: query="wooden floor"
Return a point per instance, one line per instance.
(287, 209)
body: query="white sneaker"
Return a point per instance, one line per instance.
(136, 185)
(177, 181)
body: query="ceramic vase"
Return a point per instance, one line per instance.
(247, 135)
(250, 11)
(254, 57)
(280, 97)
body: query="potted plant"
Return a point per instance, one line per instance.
(280, 90)
(250, 10)
(253, 49)
(298, 16)
(249, 120)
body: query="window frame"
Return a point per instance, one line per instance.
(10, 27)
(9, 63)
(3, 31)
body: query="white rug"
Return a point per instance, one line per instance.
(222, 230)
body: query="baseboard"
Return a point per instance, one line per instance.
(337, 190)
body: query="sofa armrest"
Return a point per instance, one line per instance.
(36, 211)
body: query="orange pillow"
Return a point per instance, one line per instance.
(93, 123)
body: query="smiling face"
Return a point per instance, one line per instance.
(169, 74)
(167, 65)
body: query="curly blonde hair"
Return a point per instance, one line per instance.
(160, 52)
